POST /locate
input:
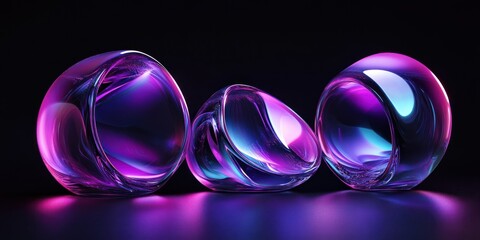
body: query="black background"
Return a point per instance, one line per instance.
(288, 50)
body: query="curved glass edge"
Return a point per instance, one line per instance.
(71, 98)
(420, 111)
(222, 167)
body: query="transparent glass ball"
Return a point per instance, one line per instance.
(113, 124)
(244, 140)
(384, 123)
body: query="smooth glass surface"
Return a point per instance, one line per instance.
(246, 140)
(113, 124)
(356, 130)
(384, 123)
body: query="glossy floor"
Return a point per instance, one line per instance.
(208, 215)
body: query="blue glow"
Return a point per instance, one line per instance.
(377, 143)
(363, 146)
(396, 89)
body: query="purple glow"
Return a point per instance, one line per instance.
(384, 123)
(54, 205)
(370, 213)
(284, 123)
(113, 124)
(211, 215)
(246, 140)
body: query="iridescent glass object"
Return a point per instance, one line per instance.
(384, 123)
(113, 124)
(244, 140)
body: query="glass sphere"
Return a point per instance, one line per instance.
(384, 123)
(244, 140)
(113, 124)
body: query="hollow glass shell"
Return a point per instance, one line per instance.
(244, 140)
(384, 123)
(113, 124)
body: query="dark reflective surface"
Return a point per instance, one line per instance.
(208, 215)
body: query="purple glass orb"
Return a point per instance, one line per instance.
(244, 140)
(384, 123)
(113, 124)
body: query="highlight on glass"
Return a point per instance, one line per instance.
(384, 123)
(113, 124)
(244, 140)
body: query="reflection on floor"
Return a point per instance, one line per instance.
(288, 215)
